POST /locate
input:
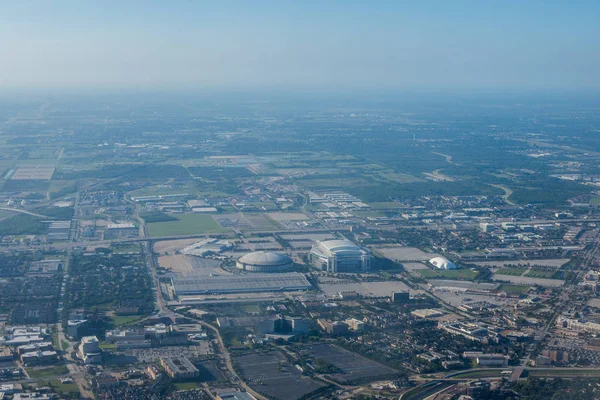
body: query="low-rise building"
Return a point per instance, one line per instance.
(179, 368)
(124, 335)
(355, 325)
(492, 360)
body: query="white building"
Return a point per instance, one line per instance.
(89, 350)
(340, 256)
(442, 263)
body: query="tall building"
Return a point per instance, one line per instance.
(340, 256)
(89, 350)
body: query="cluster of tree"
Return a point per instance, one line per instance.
(109, 280)
(23, 224)
(156, 216)
(558, 389)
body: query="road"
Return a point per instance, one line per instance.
(18, 210)
(507, 193)
(76, 371)
(225, 354)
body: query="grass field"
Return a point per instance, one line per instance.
(187, 224)
(513, 288)
(186, 385)
(124, 319)
(540, 274)
(107, 346)
(595, 200)
(465, 274)
(251, 308)
(563, 372)
(511, 271)
(484, 373)
(64, 388)
(47, 372)
(125, 248)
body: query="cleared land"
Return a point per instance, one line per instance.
(546, 263)
(33, 172)
(187, 224)
(280, 216)
(272, 375)
(332, 286)
(524, 280)
(399, 253)
(465, 274)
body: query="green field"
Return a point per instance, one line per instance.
(540, 274)
(464, 274)
(513, 288)
(64, 388)
(564, 372)
(595, 200)
(119, 320)
(107, 346)
(186, 385)
(511, 271)
(47, 372)
(484, 373)
(187, 224)
(125, 248)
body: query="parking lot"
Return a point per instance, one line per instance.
(354, 368)
(273, 375)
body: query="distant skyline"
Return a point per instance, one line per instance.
(408, 45)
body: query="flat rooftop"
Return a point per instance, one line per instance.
(241, 283)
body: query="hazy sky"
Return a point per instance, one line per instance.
(479, 44)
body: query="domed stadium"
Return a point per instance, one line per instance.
(340, 256)
(442, 263)
(263, 261)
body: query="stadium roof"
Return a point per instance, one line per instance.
(329, 247)
(265, 258)
(442, 263)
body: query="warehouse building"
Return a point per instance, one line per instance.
(255, 283)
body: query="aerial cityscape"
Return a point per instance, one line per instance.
(276, 244)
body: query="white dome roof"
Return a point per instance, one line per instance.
(442, 263)
(264, 258)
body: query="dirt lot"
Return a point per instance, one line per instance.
(399, 253)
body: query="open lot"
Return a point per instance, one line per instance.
(332, 286)
(400, 253)
(524, 280)
(187, 224)
(353, 368)
(273, 375)
(465, 274)
(503, 263)
(186, 265)
(280, 216)
(34, 172)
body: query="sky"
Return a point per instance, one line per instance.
(420, 44)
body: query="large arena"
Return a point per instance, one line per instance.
(340, 256)
(264, 261)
